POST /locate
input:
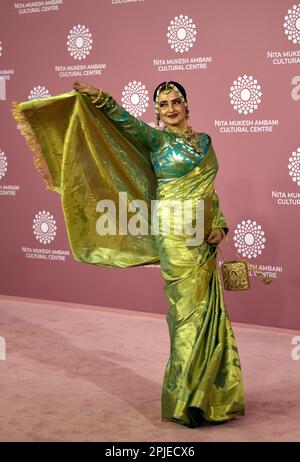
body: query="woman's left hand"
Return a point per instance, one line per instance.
(215, 237)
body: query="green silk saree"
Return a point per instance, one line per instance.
(86, 157)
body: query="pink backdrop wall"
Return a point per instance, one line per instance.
(239, 62)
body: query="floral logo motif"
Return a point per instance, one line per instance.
(292, 24)
(79, 42)
(181, 33)
(294, 166)
(245, 94)
(135, 98)
(44, 227)
(249, 239)
(39, 92)
(3, 164)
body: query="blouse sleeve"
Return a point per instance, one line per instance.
(150, 137)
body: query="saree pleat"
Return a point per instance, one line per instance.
(86, 158)
(203, 377)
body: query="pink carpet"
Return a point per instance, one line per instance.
(83, 373)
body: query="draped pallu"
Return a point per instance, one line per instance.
(89, 154)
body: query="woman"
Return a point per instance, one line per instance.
(202, 380)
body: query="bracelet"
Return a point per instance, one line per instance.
(223, 232)
(105, 100)
(101, 99)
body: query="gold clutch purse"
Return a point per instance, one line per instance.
(235, 273)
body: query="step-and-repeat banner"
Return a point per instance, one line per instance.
(240, 64)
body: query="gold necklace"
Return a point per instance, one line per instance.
(188, 134)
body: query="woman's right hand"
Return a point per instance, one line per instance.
(83, 87)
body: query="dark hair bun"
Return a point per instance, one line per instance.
(180, 88)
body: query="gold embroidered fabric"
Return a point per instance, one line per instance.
(88, 154)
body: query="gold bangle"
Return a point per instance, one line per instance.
(97, 97)
(104, 99)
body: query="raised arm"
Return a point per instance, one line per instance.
(141, 131)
